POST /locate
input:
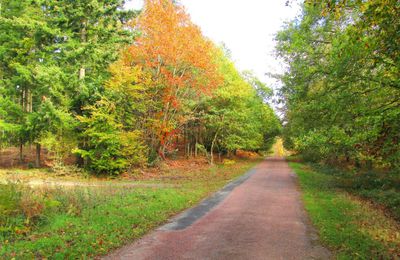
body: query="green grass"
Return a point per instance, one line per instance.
(87, 222)
(352, 228)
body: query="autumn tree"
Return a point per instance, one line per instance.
(171, 51)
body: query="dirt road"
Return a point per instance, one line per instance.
(260, 216)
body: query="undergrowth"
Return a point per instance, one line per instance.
(353, 228)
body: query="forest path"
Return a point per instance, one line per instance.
(259, 216)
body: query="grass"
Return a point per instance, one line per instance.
(85, 222)
(381, 188)
(67, 173)
(351, 227)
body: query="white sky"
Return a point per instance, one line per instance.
(246, 27)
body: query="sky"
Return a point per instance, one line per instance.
(247, 28)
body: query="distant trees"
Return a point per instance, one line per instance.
(235, 116)
(86, 77)
(342, 87)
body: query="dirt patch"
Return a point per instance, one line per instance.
(10, 158)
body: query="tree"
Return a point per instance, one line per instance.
(91, 33)
(110, 148)
(47, 121)
(25, 36)
(236, 116)
(179, 61)
(341, 89)
(57, 51)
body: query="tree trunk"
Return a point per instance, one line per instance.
(82, 70)
(21, 156)
(37, 161)
(161, 152)
(29, 108)
(212, 148)
(82, 73)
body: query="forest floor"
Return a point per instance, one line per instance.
(49, 215)
(71, 176)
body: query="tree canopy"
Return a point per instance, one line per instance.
(121, 89)
(341, 87)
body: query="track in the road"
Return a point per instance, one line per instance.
(258, 217)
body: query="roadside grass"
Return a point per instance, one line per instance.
(381, 188)
(351, 227)
(65, 173)
(85, 222)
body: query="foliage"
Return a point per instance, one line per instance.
(236, 113)
(54, 52)
(179, 71)
(110, 149)
(122, 88)
(380, 188)
(24, 37)
(91, 33)
(170, 90)
(10, 115)
(341, 88)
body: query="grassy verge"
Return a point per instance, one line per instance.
(84, 222)
(352, 228)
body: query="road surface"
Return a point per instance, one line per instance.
(259, 216)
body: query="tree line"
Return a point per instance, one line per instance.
(120, 89)
(341, 88)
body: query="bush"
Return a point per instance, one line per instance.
(228, 162)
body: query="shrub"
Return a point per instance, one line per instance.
(228, 162)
